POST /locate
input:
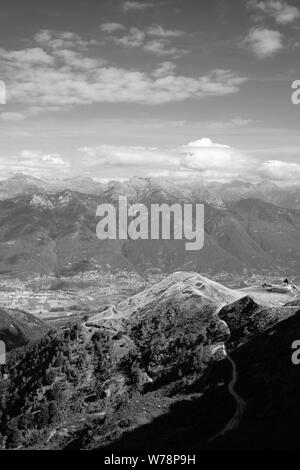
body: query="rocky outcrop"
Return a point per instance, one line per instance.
(18, 328)
(294, 303)
(246, 319)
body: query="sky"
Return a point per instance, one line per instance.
(173, 88)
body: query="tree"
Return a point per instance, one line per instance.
(14, 438)
(44, 416)
(49, 377)
(53, 411)
(26, 421)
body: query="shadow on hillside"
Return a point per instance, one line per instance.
(188, 425)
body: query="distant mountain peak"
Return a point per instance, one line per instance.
(267, 184)
(41, 201)
(25, 178)
(238, 184)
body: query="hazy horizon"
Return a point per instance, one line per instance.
(183, 180)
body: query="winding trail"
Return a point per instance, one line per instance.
(240, 403)
(234, 422)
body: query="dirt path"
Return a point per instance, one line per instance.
(234, 422)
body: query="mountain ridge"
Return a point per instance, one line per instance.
(266, 190)
(52, 232)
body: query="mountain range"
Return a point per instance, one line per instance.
(24, 184)
(44, 231)
(288, 196)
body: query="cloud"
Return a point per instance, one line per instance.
(264, 42)
(61, 40)
(158, 30)
(205, 156)
(212, 161)
(111, 156)
(282, 12)
(137, 6)
(164, 69)
(35, 163)
(77, 61)
(11, 116)
(134, 38)
(162, 47)
(231, 124)
(55, 159)
(34, 158)
(32, 56)
(111, 27)
(202, 156)
(280, 171)
(58, 78)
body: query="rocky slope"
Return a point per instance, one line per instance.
(187, 290)
(152, 373)
(18, 328)
(246, 319)
(172, 327)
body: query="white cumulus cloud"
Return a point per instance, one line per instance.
(134, 38)
(281, 11)
(138, 6)
(158, 30)
(280, 171)
(111, 27)
(264, 42)
(35, 163)
(203, 157)
(56, 77)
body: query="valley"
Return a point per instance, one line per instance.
(114, 343)
(66, 299)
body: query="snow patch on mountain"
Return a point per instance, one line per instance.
(40, 201)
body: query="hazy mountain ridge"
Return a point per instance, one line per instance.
(213, 192)
(53, 232)
(48, 233)
(20, 184)
(288, 197)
